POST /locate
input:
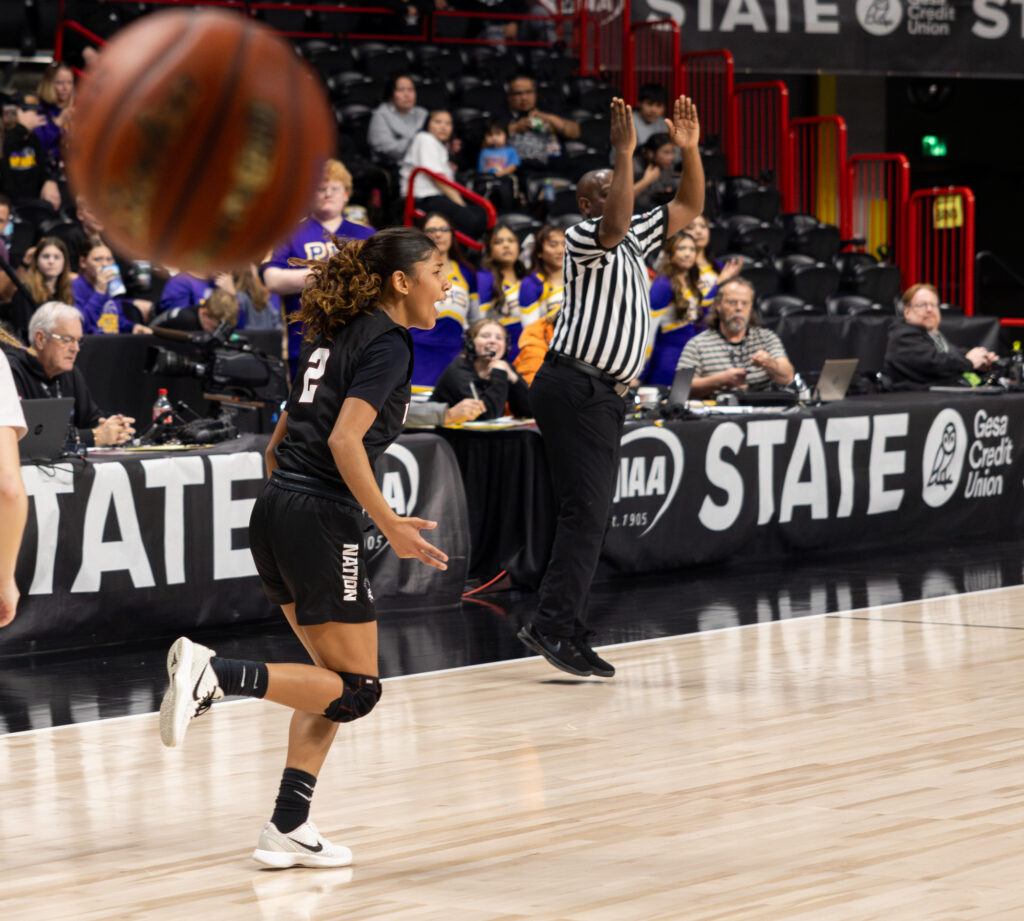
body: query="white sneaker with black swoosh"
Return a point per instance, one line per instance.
(192, 687)
(303, 847)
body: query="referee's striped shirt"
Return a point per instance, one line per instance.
(605, 319)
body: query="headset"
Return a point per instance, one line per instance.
(469, 346)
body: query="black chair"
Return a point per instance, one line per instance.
(594, 132)
(718, 237)
(546, 65)
(847, 262)
(522, 225)
(761, 273)
(879, 281)
(35, 211)
(851, 305)
(353, 121)
(743, 195)
(597, 98)
(752, 235)
(431, 94)
(807, 278)
(439, 63)
(804, 233)
(333, 60)
(486, 96)
(780, 305)
(385, 64)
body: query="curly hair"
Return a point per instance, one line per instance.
(352, 280)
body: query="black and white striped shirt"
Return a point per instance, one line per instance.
(605, 319)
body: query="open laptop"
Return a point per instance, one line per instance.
(679, 392)
(834, 380)
(47, 423)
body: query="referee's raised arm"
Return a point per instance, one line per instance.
(684, 129)
(618, 207)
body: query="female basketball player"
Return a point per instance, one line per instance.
(347, 404)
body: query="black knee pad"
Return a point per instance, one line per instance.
(359, 697)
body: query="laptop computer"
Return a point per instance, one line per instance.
(47, 423)
(679, 392)
(834, 380)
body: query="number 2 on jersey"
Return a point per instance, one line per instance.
(317, 366)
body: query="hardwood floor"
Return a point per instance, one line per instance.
(847, 767)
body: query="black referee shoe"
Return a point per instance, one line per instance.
(598, 666)
(560, 651)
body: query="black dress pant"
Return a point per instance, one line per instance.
(581, 419)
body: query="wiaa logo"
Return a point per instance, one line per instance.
(650, 469)
(879, 17)
(400, 483)
(942, 459)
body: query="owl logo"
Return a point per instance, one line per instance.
(942, 459)
(879, 17)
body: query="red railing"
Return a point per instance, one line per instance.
(707, 78)
(412, 213)
(940, 243)
(652, 57)
(878, 189)
(819, 167)
(602, 41)
(759, 140)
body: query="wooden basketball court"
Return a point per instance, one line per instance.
(848, 767)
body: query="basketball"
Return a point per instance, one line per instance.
(198, 140)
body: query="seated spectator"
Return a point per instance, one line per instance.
(56, 93)
(710, 268)
(500, 278)
(258, 308)
(649, 115)
(533, 133)
(99, 294)
(219, 307)
(463, 302)
(481, 372)
(534, 342)
(918, 356)
(25, 173)
(429, 149)
(543, 290)
(47, 278)
(735, 353)
(655, 182)
(497, 164)
(46, 369)
(395, 121)
(676, 295)
(312, 240)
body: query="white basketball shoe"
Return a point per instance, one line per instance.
(193, 687)
(303, 847)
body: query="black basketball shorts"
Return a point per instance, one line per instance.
(310, 550)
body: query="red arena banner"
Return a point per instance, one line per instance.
(912, 37)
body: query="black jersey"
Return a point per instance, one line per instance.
(370, 358)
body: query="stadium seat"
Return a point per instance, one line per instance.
(804, 233)
(782, 305)
(761, 273)
(743, 195)
(878, 281)
(487, 96)
(431, 94)
(851, 305)
(521, 224)
(807, 278)
(354, 120)
(439, 63)
(332, 60)
(752, 235)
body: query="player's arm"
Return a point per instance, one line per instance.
(13, 513)
(346, 444)
(275, 440)
(688, 202)
(618, 207)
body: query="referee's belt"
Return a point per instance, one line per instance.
(313, 486)
(559, 358)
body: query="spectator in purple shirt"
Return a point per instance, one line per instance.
(56, 97)
(312, 240)
(103, 309)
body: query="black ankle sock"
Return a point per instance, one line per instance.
(291, 808)
(237, 676)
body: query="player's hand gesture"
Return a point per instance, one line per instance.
(623, 131)
(404, 536)
(683, 127)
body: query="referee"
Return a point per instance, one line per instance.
(598, 348)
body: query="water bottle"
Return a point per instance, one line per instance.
(162, 409)
(115, 287)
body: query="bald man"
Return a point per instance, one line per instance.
(598, 347)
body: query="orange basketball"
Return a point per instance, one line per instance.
(198, 139)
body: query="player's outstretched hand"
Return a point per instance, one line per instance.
(404, 537)
(684, 127)
(622, 134)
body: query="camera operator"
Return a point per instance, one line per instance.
(46, 370)
(482, 373)
(219, 307)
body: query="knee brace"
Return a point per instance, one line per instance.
(359, 697)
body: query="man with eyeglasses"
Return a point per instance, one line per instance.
(46, 370)
(918, 356)
(734, 352)
(534, 134)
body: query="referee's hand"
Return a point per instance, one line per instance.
(404, 536)
(622, 133)
(684, 127)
